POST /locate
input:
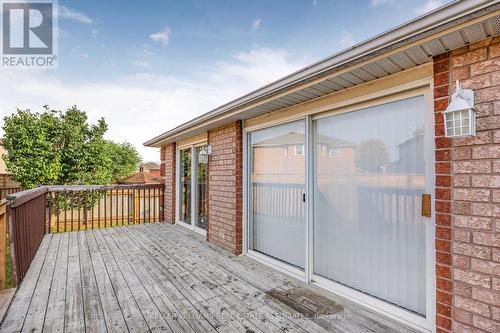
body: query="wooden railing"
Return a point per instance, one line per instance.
(26, 215)
(50, 209)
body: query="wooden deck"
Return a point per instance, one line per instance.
(158, 277)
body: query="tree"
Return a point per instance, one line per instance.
(125, 159)
(61, 148)
(371, 155)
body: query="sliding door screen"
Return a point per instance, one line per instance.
(368, 181)
(185, 186)
(277, 164)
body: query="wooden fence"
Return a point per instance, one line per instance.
(34, 213)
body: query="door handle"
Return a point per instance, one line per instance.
(426, 205)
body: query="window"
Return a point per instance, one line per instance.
(299, 150)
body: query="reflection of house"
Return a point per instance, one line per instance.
(411, 157)
(284, 157)
(152, 168)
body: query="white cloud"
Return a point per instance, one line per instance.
(72, 14)
(375, 3)
(256, 67)
(346, 39)
(256, 24)
(142, 63)
(138, 107)
(428, 6)
(162, 36)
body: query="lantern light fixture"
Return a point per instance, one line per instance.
(205, 151)
(460, 115)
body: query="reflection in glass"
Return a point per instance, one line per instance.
(185, 186)
(201, 192)
(277, 184)
(368, 181)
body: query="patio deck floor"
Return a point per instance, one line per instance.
(159, 277)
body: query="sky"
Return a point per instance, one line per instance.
(148, 66)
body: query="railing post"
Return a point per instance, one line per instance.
(12, 247)
(3, 243)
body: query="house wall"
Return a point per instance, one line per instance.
(468, 195)
(225, 187)
(167, 167)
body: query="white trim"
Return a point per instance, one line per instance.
(277, 264)
(350, 104)
(378, 305)
(245, 191)
(194, 163)
(309, 194)
(413, 89)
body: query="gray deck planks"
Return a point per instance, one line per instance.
(54, 318)
(92, 307)
(36, 312)
(16, 314)
(158, 277)
(115, 322)
(74, 320)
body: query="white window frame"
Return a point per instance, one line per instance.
(194, 165)
(419, 88)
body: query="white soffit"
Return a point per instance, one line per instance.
(351, 73)
(397, 62)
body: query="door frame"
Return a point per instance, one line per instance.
(261, 257)
(418, 88)
(194, 165)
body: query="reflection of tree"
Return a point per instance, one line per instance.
(371, 155)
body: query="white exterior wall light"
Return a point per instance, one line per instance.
(460, 115)
(205, 151)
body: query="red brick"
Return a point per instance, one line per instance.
(469, 194)
(472, 306)
(471, 166)
(443, 322)
(471, 250)
(462, 316)
(444, 181)
(443, 284)
(488, 66)
(443, 297)
(469, 57)
(473, 222)
(441, 66)
(225, 170)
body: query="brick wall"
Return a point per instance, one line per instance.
(167, 168)
(443, 197)
(225, 189)
(468, 203)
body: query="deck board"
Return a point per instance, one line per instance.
(162, 278)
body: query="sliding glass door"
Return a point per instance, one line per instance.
(185, 181)
(369, 176)
(193, 190)
(277, 169)
(367, 172)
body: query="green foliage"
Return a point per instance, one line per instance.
(61, 148)
(125, 159)
(371, 155)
